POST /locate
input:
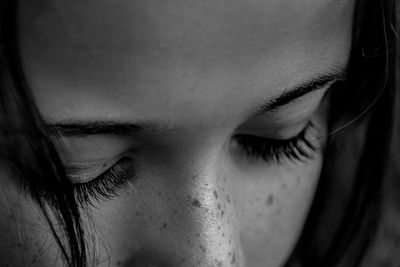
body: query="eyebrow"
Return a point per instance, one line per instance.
(289, 95)
(85, 128)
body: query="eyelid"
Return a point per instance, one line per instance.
(285, 123)
(106, 185)
(92, 150)
(83, 171)
(298, 147)
(276, 131)
(80, 172)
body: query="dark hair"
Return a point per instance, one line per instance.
(26, 150)
(347, 205)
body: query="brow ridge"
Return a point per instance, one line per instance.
(290, 95)
(85, 128)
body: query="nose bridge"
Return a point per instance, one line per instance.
(209, 218)
(201, 215)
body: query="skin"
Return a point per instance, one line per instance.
(198, 70)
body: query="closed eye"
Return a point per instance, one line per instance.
(297, 148)
(107, 184)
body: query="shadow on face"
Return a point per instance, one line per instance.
(195, 128)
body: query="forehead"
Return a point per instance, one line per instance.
(101, 58)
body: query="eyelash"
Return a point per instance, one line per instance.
(297, 148)
(106, 185)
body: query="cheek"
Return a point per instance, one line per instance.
(26, 239)
(271, 209)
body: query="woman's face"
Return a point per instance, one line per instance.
(192, 116)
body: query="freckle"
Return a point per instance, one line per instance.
(219, 227)
(202, 248)
(118, 263)
(228, 199)
(105, 164)
(137, 213)
(165, 225)
(222, 213)
(223, 234)
(233, 260)
(270, 199)
(159, 194)
(198, 234)
(215, 194)
(196, 203)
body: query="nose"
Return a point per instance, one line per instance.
(193, 220)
